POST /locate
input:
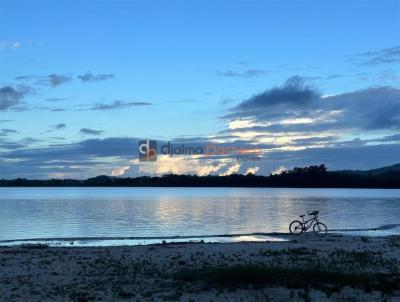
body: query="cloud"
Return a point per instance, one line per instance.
(58, 79)
(53, 79)
(80, 160)
(395, 137)
(335, 76)
(388, 76)
(246, 74)
(368, 109)
(74, 152)
(10, 97)
(60, 126)
(10, 45)
(6, 132)
(93, 157)
(382, 56)
(359, 157)
(120, 171)
(26, 77)
(100, 156)
(233, 169)
(6, 142)
(90, 77)
(252, 170)
(118, 105)
(387, 138)
(296, 107)
(293, 94)
(91, 131)
(55, 99)
(278, 170)
(314, 141)
(7, 145)
(181, 165)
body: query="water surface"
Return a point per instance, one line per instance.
(27, 213)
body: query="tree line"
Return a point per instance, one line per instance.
(316, 176)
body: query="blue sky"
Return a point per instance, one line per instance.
(76, 73)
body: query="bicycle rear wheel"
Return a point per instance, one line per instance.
(320, 229)
(296, 227)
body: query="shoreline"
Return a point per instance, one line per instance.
(188, 271)
(269, 236)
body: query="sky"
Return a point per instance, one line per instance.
(306, 82)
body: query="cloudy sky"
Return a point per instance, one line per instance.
(307, 82)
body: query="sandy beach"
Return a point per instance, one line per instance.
(304, 268)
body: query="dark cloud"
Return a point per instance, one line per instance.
(30, 140)
(83, 152)
(245, 74)
(52, 109)
(382, 56)
(55, 99)
(118, 105)
(313, 141)
(91, 131)
(335, 76)
(387, 138)
(357, 142)
(59, 138)
(53, 79)
(294, 94)
(25, 77)
(368, 109)
(90, 77)
(58, 79)
(58, 109)
(392, 138)
(60, 126)
(6, 132)
(7, 145)
(11, 97)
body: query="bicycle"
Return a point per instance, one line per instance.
(297, 227)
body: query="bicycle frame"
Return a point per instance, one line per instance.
(308, 223)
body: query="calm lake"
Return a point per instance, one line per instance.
(27, 213)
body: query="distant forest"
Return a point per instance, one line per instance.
(315, 176)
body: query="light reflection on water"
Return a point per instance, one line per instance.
(139, 212)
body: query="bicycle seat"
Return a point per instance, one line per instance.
(313, 213)
(302, 216)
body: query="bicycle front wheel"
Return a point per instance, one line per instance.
(320, 229)
(296, 227)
